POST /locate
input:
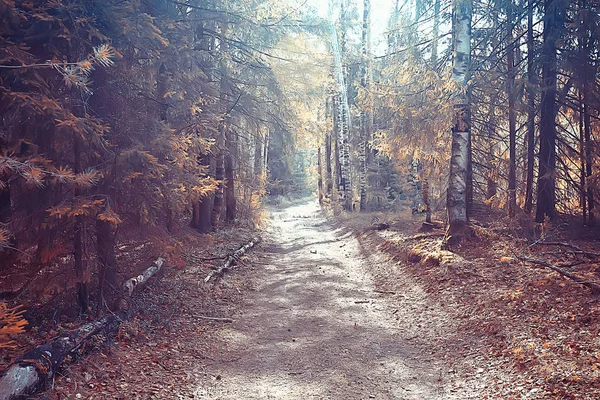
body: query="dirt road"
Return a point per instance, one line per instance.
(315, 328)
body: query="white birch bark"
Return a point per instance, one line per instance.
(345, 184)
(457, 185)
(366, 119)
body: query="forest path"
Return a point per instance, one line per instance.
(313, 327)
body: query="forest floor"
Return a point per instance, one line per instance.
(336, 310)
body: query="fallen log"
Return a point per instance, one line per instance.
(594, 287)
(29, 373)
(232, 259)
(130, 284)
(35, 369)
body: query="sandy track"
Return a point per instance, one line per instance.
(314, 328)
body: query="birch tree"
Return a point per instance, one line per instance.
(461, 131)
(366, 119)
(343, 124)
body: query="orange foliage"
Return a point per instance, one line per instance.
(11, 323)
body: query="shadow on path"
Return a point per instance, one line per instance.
(314, 328)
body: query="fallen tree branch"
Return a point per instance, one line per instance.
(577, 249)
(33, 370)
(232, 259)
(594, 287)
(130, 284)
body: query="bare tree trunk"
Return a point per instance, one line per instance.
(217, 208)
(320, 177)
(336, 145)
(201, 210)
(589, 160)
(531, 80)
(328, 172)
(436, 33)
(83, 291)
(512, 117)
(105, 241)
(546, 194)
(589, 73)
(344, 123)
(258, 154)
(230, 201)
(366, 119)
(426, 200)
(582, 170)
(461, 131)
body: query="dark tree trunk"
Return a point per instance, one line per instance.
(218, 198)
(546, 196)
(531, 80)
(105, 241)
(83, 291)
(201, 210)
(588, 76)
(512, 117)
(229, 162)
(220, 142)
(161, 89)
(582, 169)
(258, 155)
(426, 201)
(320, 177)
(588, 158)
(328, 172)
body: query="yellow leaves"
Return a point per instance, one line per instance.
(11, 323)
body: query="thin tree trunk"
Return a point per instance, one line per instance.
(365, 113)
(201, 210)
(217, 208)
(512, 118)
(492, 175)
(457, 187)
(230, 201)
(83, 291)
(436, 33)
(588, 157)
(426, 200)
(546, 196)
(328, 172)
(582, 169)
(344, 123)
(320, 177)
(258, 154)
(531, 82)
(336, 145)
(589, 73)
(105, 241)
